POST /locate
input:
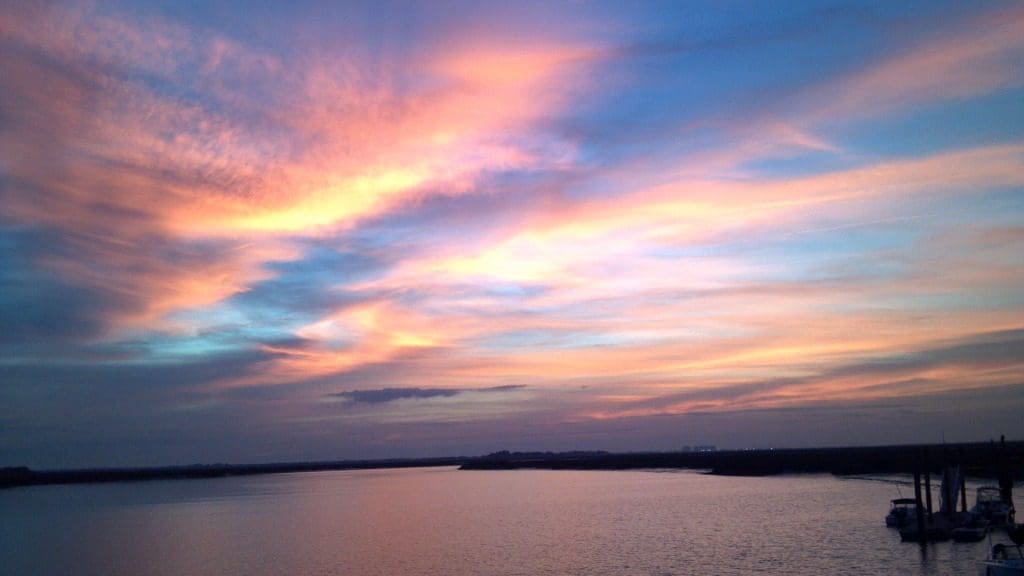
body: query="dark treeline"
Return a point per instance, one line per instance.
(977, 459)
(21, 476)
(980, 459)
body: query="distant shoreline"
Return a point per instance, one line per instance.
(22, 476)
(979, 459)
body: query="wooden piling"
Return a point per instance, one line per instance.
(917, 497)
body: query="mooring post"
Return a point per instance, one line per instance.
(928, 489)
(917, 497)
(1004, 474)
(963, 479)
(963, 493)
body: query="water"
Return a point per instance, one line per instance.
(446, 522)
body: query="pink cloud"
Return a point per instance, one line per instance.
(120, 168)
(98, 154)
(980, 56)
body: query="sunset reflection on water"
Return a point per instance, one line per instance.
(443, 521)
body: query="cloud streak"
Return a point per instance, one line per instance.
(384, 395)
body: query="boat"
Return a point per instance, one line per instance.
(989, 505)
(1005, 561)
(937, 526)
(902, 512)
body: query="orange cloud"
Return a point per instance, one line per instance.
(112, 158)
(377, 147)
(364, 334)
(557, 247)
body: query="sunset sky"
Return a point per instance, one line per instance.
(272, 231)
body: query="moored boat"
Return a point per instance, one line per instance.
(1004, 561)
(989, 504)
(1007, 560)
(902, 512)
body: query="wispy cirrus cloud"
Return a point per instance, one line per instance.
(181, 202)
(977, 362)
(976, 56)
(625, 216)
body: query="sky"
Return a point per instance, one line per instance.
(277, 231)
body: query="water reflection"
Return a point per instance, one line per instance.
(442, 521)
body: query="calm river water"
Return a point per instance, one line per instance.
(446, 522)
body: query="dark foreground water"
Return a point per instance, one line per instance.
(446, 522)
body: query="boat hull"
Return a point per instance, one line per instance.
(969, 534)
(1004, 567)
(1005, 560)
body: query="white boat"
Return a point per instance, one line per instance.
(902, 512)
(989, 505)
